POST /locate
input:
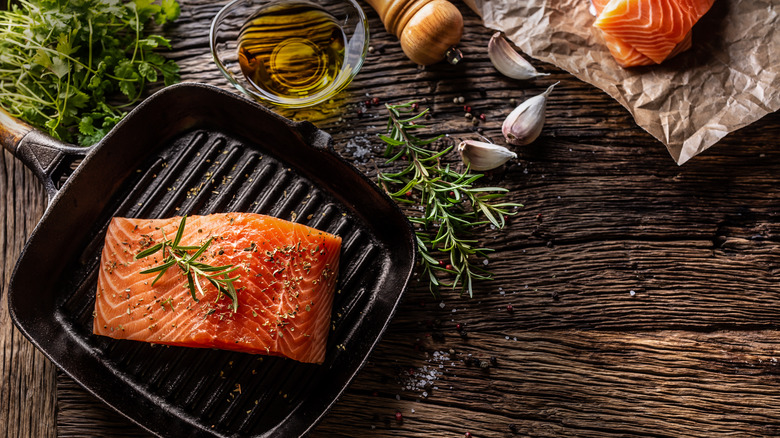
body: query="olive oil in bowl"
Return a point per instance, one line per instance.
(291, 49)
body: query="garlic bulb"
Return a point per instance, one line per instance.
(483, 156)
(524, 124)
(507, 61)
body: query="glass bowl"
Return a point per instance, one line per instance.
(289, 54)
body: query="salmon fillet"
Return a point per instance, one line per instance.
(625, 54)
(652, 27)
(284, 293)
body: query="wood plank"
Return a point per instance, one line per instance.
(570, 383)
(27, 378)
(693, 352)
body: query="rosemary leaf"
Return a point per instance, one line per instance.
(179, 232)
(149, 251)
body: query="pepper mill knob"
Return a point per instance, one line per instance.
(428, 29)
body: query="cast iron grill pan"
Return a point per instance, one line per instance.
(194, 149)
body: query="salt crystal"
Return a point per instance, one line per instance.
(454, 310)
(425, 394)
(632, 293)
(398, 397)
(413, 410)
(360, 147)
(507, 338)
(485, 262)
(441, 305)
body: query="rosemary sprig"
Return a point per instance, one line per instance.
(179, 255)
(452, 205)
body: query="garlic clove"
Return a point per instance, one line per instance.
(507, 61)
(481, 156)
(592, 8)
(524, 124)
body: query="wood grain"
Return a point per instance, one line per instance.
(643, 295)
(27, 378)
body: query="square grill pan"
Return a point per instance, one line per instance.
(196, 149)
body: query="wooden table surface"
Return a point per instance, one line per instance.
(645, 295)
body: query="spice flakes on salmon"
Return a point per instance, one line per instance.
(286, 281)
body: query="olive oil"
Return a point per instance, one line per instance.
(291, 50)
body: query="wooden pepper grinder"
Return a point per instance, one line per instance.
(428, 30)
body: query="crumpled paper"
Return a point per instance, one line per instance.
(727, 80)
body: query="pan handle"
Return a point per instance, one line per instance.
(42, 154)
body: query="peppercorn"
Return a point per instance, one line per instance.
(375, 101)
(399, 417)
(493, 361)
(466, 108)
(469, 116)
(459, 327)
(482, 117)
(415, 106)
(510, 308)
(467, 434)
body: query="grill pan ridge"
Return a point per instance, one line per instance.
(201, 155)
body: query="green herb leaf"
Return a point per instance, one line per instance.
(180, 231)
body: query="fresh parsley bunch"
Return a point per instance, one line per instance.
(72, 67)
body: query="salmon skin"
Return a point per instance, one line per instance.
(287, 279)
(646, 32)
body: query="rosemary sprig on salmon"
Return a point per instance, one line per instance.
(179, 255)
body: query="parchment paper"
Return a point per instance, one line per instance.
(729, 79)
